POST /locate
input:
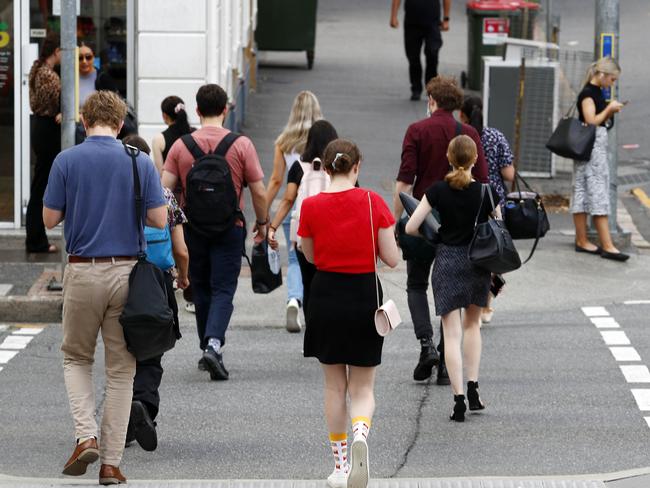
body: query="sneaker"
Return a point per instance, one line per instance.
(428, 359)
(338, 479)
(213, 361)
(189, 307)
(359, 470)
(443, 376)
(144, 427)
(293, 316)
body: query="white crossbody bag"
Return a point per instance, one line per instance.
(387, 316)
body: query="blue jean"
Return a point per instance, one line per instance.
(214, 271)
(294, 277)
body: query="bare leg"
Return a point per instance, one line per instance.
(361, 384)
(472, 341)
(580, 224)
(452, 329)
(601, 222)
(336, 386)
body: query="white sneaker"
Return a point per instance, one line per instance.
(189, 307)
(359, 470)
(338, 479)
(293, 316)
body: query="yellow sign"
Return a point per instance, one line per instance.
(4, 39)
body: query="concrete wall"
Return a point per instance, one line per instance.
(183, 45)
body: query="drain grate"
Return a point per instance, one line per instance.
(634, 179)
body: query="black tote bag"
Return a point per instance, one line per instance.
(263, 278)
(572, 138)
(147, 319)
(492, 247)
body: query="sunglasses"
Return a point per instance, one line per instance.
(87, 57)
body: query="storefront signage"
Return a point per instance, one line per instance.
(5, 58)
(38, 33)
(4, 35)
(495, 30)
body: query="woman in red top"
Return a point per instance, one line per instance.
(338, 238)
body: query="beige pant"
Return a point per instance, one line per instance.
(93, 298)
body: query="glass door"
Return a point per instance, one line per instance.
(7, 112)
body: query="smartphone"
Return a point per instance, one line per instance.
(625, 102)
(497, 284)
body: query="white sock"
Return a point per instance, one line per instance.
(214, 343)
(361, 427)
(339, 444)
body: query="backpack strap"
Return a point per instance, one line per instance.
(225, 144)
(192, 146)
(459, 129)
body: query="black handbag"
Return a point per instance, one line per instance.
(492, 247)
(429, 228)
(413, 247)
(147, 319)
(263, 278)
(572, 138)
(525, 215)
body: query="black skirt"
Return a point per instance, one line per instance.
(456, 282)
(340, 320)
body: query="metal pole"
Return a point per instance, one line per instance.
(549, 21)
(607, 22)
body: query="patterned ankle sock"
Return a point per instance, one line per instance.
(214, 343)
(85, 438)
(339, 444)
(360, 427)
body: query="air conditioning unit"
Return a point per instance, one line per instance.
(539, 111)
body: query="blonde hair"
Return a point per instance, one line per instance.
(304, 112)
(462, 155)
(606, 65)
(104, 108)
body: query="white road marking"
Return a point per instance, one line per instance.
(32, 331)
(615, 337)
(642, 397)
(605, 322)
(5, 289)
(636, 373)
(0, 368)
(595, 311)
(16, 342)
(6, 356)
(637, 302)
(647, 419)
(625, 354)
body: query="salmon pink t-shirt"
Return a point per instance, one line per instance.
(339, 224)
(241, 157)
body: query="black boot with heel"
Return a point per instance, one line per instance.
(473, 397)
(458, 414)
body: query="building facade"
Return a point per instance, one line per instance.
(150, 48)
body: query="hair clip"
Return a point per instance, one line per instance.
(179, 106)
(336, 158)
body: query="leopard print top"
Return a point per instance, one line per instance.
(44, 99)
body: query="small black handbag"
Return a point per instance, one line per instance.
(263, 278)
(147, 319)
(428, 228)
(572, 138)
(492, 247)
(525, 215)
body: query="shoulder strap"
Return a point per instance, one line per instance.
(133, 153)
(225, 144)
(480, 206)
(192, 146)
(459, 129)
(374, 249)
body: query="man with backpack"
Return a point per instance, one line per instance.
(213, 165)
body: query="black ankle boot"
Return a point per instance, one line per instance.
(428, 359)
(473, 397)
(458, 414)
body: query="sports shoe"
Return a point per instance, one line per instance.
(293, 316)
(428, 359)
(189, 307)
(338, 479)
(144, 427)
(213, 361)
(359, 469)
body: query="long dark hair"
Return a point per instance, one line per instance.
(320, 135)
(51, 43)
(473, 109)
(174, 107)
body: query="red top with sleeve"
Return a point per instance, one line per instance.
(339, 224)
(424, 152)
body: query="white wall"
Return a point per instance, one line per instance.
(183, 45)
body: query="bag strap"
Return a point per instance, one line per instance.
(484, 187)
(192, 146)
(538, 234)
(374, 250)
(459, 129)
(139, 207)
(223, 147)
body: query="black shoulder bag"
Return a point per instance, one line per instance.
(572, 138)
(491, 247)
(147, 319)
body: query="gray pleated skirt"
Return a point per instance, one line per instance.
(456, 282)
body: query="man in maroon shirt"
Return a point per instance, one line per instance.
(424, 162)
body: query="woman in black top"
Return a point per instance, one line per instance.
(457, 284)
(175, 117)
(591, 178)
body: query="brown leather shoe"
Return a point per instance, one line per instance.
(84, 454)
(110, 475)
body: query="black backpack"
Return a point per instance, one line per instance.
(211, 202)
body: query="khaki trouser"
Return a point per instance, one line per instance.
(93, 298)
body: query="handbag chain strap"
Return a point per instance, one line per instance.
(374, 250)
(133, 152)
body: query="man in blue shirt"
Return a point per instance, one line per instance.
(91, 187)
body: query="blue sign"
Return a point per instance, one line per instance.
(607, 49)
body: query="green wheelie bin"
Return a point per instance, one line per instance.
(489, 23)
(287, 25)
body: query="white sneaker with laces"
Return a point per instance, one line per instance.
(359, 470)
(338, 479)
(293, 316)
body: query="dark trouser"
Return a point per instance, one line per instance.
(307, 270)
(148, 374)
(214, 269)
(46, 141)
(414, 37)
(417, 283)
